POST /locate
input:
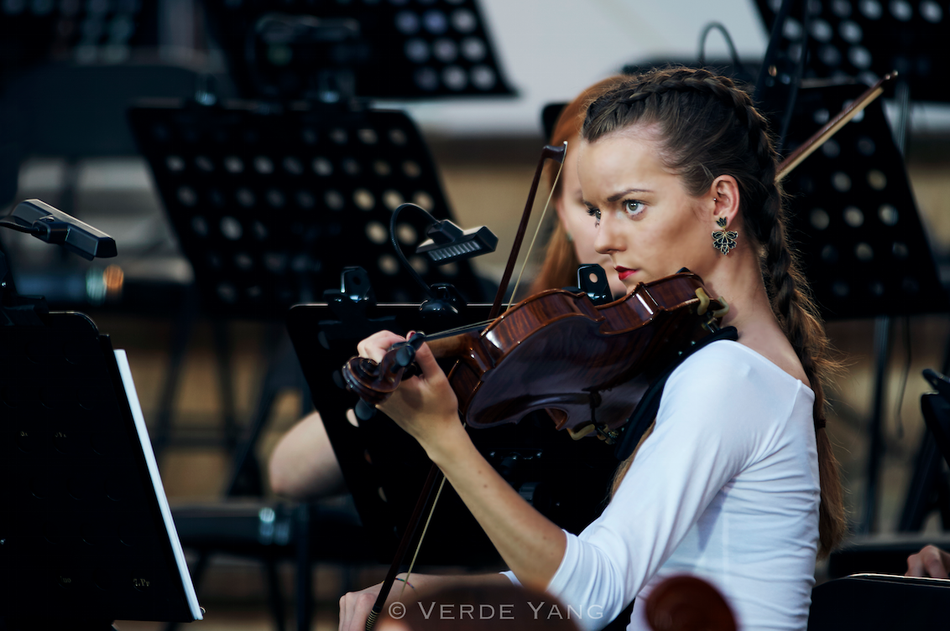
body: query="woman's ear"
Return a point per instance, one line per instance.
(724, 195)
(558, 202)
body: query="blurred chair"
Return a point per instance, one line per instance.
(271, 532)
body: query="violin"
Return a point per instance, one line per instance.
(585, 364)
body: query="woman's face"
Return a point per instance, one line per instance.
(646, 221)
(574, 217)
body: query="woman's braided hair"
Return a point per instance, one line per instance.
(707, 127)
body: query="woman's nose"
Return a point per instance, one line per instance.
(608, 238)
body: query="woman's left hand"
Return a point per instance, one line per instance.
(425, 406)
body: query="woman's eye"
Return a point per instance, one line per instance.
(633, 207)
(594, 212)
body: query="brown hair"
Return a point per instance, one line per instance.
(559, 268)
(709, 127)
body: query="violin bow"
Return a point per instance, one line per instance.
(549, 152)
(435, 474)
(833, 126)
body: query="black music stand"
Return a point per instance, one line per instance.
(270, 203)
(862, 244)
(385, 469)
(87, 537)
(854, 217)
(59, 35)
(929, 490)
(937, 412)
(392, 50)
(38, 32)
(868, 40)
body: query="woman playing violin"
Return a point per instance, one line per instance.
(736, 482)
(303, 465)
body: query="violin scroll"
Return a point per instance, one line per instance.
(374, 382)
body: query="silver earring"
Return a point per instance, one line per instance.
(724, 240)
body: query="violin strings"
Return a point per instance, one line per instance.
(458, 329)
(423, 535)
(537, 229)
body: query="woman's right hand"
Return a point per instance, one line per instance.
(355, 608)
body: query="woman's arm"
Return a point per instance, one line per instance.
(426, 407)
(303, 465)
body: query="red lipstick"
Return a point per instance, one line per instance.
(623, 272)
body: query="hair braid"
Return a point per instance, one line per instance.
(708, 126)
(798, 315)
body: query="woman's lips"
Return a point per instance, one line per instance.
(623, 272)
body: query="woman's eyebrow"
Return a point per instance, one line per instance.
(622, 194)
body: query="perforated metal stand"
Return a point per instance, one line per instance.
(396, 50)
(864, 249)
(869, 39)
(270, 202)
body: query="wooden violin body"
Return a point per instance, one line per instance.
(586, 364)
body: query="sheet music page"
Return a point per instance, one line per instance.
(126, 373)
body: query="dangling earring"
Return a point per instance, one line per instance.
(724, 240)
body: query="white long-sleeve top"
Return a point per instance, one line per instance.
(726, 488)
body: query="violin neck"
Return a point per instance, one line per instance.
(453, 346)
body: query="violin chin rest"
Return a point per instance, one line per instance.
(576, 433)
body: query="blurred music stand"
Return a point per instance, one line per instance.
(270, 202)
(854, 217)
(869, 39)
(929, 490)
(389, 50)
(864, 250)
(42, 38)
(937, 412)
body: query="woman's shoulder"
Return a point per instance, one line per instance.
(734, 389)
(730, 369)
